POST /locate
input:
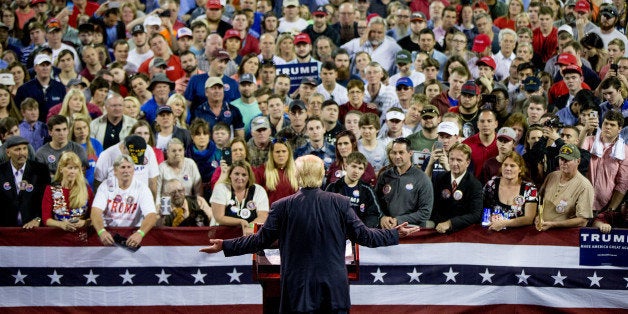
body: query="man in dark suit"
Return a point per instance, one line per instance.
(457, 194)
(23, 182)
(312, 226)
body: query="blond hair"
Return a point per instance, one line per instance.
(271, 173)
(65, 107)
(78, 190)
(310, 171)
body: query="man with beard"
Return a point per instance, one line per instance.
(24, 12)
(323, 48)
(582, 25)
(377, 45)
(190, 67)
(346, 27)
(569, 15)
(320, 27)
(161, 87)
(187, 211)
(403, 23)
(303, 49)
(343, 63)
(422, 141)
(213, 13)
(468, 108)
(247, 104)
(295, 132)
(404, 192)
(259, 143)
(607, 30)
(142, 51)
(417, 24)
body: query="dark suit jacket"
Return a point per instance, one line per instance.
(28, 203)
(312, 227)
(463, 212)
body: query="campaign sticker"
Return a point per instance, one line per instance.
(519, 200)
(362, 207)
(227, 87)
(117, 198)
(458, 195)
(129, 200)
(227, 114)
(6, 186)
(327, 160)
(409, 186)
(338, 173)
(52, 158)
(23, 185)
(356, 193)
(386, 189)
(251, 205)
(244, 213)
(215, 164)
(445, 193)
(186, 177)
(29, 188)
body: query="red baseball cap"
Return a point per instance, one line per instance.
(572, 68)
(482, 5)
(566, 59)
(488, 61)
(213, 4)
(480, 43)
(302, 38)
(232, 33)
(582, 6)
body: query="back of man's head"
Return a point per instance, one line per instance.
(310, 171)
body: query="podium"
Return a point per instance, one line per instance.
(266, 270)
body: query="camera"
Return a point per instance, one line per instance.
(553, 122)
(165, 13)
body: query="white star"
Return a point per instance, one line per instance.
(523, 277)
(595, 280)
(558, 279)
(163, 277)
(379, 276)
(624, 279)
(127, 277)
(55, 277)
(199, 277)
(91, 277)
(414, 275)
(451, 275)
(19, 277)
(234, 276)
(486, 276)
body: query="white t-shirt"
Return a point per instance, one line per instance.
(137, 58)
(124, 208)
(104, 165)
(291, 27)
(222, 195)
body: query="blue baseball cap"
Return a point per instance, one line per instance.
(406, 81)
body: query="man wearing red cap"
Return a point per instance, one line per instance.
(303, 50)
(240, 24)
(213, 13)
(583, 20)
(486, 68)
(482, 48)
(572, 76)
(559, 88)
(545, 38)
(320, 27)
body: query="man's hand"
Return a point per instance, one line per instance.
(32, 224)
(106, 238)
(215, 247)
(134, 240)
(443, 226)
(388, 222)
(405, 231)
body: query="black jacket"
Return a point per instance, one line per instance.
(462, 212)
(28, 201)
(364, 205)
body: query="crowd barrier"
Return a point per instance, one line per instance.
(519, 270)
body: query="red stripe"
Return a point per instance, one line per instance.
(194, 236)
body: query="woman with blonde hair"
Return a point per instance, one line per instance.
(278, 175)
(285, 47)
(74, 103)
(177, 103)
(80, 133)
(508, 20)
(132, 107)
(67, 200)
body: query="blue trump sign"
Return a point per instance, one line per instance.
(297, 72)
(604, 249)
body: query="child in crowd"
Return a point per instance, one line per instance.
(31, 128)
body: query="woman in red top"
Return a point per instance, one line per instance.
(67, 200)
(346, 143)
(278, 175)
(508, 21)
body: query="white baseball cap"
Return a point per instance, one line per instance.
(41, 58)
(448, 127)
(152, 20)
(390, 115)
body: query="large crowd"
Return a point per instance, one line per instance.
(442, 114)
